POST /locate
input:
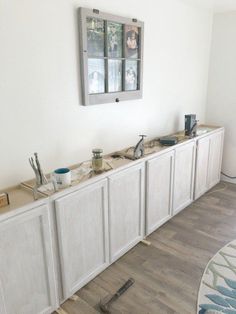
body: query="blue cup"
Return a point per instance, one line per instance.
(63, 177)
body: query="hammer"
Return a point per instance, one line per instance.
(105, 305)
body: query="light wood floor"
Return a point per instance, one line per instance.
(167, 274)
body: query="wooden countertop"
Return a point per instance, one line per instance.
(22, 195)
(19, 197)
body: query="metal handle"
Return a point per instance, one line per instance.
(126, 286)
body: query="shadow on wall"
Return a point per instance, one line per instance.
(176, 124)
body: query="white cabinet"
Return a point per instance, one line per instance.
(215, 158)
(183, 176)
(27, 283)
(159, 181)
(208, 162)
(82, 224)
(202, 162)
(126, 209)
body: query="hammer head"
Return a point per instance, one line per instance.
(105, 305)
(104, 308)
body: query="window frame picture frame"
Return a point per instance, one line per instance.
(108, 97)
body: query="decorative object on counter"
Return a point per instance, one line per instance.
(4, 199)
(111, 57)
(63, 177)
(40, 178)
(168, 140)
(82, 171)
(35, 164)
(194, 129)
(49, 188)
(190, 125)
(97, 160)
(139, 148)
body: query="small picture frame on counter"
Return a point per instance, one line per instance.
(4, 199)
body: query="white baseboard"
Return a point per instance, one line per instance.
(225, 179)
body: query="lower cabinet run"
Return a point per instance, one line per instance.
(126, 209)
(83, 235)
(159, 182)
(27, 283)
(96, 223)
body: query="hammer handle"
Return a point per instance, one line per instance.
(126, 286)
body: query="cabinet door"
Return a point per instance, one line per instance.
(183, 176)
(159, 190)
(27, 283)
(126, 209)
(202, 165)
(215, 158)
(82, 231)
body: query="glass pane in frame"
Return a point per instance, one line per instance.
(114, 39)
(96, 76)
(131, 75)
(95, 37)
(131, 41)
(114, 76)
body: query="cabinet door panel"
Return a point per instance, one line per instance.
(183, 176)
(126, 210)
(202, 164)
(215, 158)
(159, 190)
(82, 230)
(27, 283)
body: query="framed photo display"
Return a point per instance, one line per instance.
(111, 50)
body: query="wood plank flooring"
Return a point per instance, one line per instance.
(167, 274)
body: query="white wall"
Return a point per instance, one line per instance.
(40, 81)
(221, 108)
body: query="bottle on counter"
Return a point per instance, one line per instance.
(97, 160)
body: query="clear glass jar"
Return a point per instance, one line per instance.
(97, 160)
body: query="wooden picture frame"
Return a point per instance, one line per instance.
(111, 53)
